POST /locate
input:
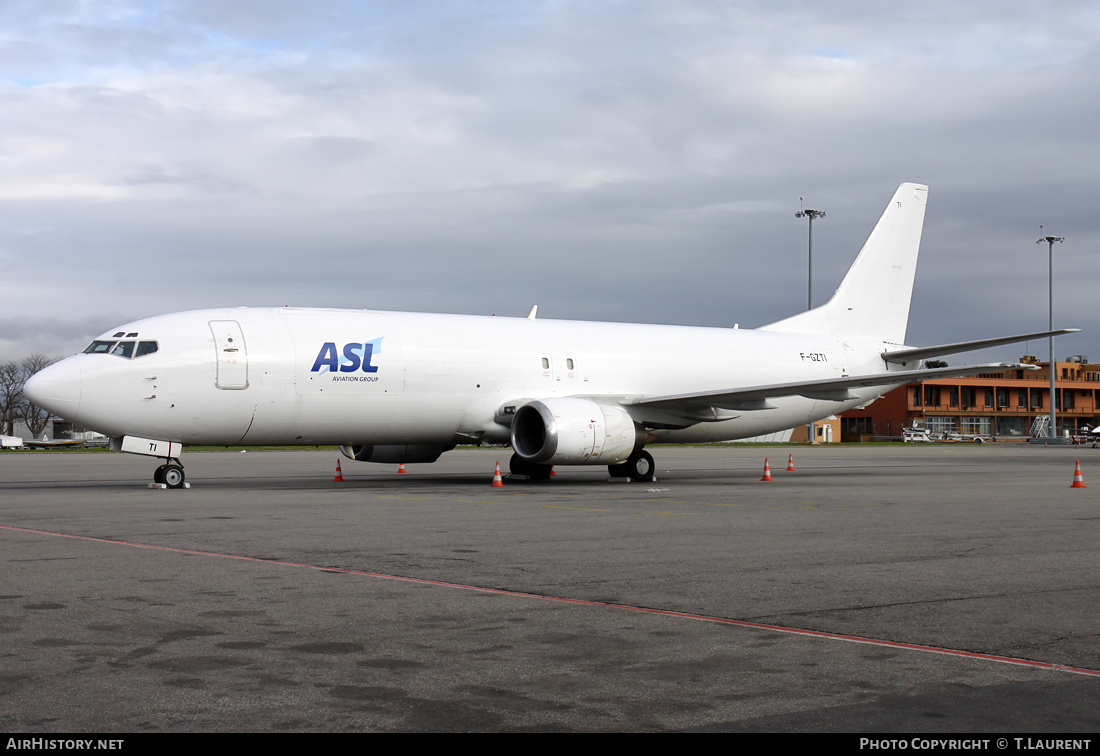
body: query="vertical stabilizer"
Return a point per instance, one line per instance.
(872, 302)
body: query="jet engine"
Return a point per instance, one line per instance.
(570, 431)
(395, 453)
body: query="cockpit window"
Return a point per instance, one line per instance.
(99, 347)
(123, 349)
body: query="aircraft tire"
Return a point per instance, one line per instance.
(619, 471)
(640, 466)
(517, 465)
(158, 474)
(173, 476)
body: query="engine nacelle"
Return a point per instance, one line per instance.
(569, 431)
(395, 453)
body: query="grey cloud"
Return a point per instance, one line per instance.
(635, 161)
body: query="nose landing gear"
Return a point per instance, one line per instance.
(170, 474)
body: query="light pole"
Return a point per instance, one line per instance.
(810, 215)
(1050, 321)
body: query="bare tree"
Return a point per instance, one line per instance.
(36, 418)
(11, 394)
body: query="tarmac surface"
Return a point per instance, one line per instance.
(269, 598)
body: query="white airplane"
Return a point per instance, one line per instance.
(405, 387)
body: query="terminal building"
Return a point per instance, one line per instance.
(1007, 406)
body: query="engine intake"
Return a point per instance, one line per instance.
(570, 431)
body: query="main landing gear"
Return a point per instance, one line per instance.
(517, 465)
(638, 467)
(170, 474)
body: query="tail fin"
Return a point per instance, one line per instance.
(872, 301)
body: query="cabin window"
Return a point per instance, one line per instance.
(123, 349)
(569, 363)
(545, 363)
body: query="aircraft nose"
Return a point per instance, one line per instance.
(56, 388)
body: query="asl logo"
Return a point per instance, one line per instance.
(356, 356)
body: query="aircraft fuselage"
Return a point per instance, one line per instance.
(315, 376)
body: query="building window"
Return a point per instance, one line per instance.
(937, 424)
(1011, 426)
(856, 426)
(977, 425)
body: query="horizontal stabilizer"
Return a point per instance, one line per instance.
(833, 389)
(903, 356)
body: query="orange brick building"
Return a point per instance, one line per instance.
(1004, 405)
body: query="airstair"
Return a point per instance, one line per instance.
(1041, 427)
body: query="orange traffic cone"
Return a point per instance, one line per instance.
(790, 463)
(339, 475)
(767, 471)
(401, 468)
(497, 481)
(1078, 479)
(552, 473)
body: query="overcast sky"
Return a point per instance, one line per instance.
(634, 160)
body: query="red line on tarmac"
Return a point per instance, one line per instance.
(583, 602)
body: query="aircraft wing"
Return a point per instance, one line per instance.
(706, 405)
(902, 356)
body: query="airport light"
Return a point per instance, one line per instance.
(1050, 320)
(810, 214)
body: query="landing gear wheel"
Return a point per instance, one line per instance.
(158, 474)
(173, 476)
(517, 465)
(640, 466)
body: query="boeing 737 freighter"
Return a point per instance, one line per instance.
(406, 387)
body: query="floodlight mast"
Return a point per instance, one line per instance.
(810, 215)
(1050, 319)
